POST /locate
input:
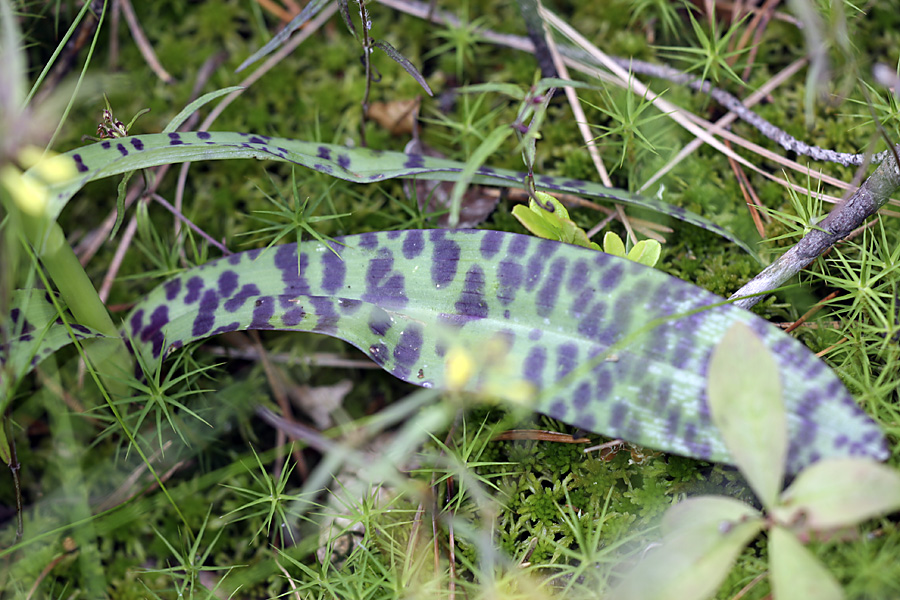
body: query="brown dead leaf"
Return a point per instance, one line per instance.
(397, 116)
(477, 202)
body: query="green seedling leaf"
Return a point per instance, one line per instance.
(795, 572)
(746, 406)
(550, 220)
(838, 493)
(536, 223)
(703, 537)
(613, 244)
(645, 252)
(599, 342)
(361, 165)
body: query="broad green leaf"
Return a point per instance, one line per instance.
(613, 244)
(596, 341)
(795, 572)
(746, 406)
(702, 538)
(838, 493)
(112, 157)
(645, 252)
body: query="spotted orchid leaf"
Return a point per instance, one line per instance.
(361, 165)
(596, 341)
(36, 331)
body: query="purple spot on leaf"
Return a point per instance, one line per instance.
(328, 317)
(519, 245)
(604, 383)
(414, 161)
(293, 317)
(379, 353)
(471, 302)
(490, 244)
(194, 287)
(445, 260)
(121, 149)
(203, 135)
(533, 367)
(582, 397)
(413, 244)
(379, 321)
(384, 287)
(408, 348)
(228, 282)
(333, 272)
(248, 290)
(292, 274)
(172, 288)
(510, 276)
(612, 277)
(348, 306)
(175, 139)
(79, 164)
(566, 359)
(617, 416)
(137, 144)
(158, 319)
(579, 275)
(546, 297)
(262, 313)
(206, 314)
(369, 241)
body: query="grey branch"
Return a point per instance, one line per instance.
(840, 222)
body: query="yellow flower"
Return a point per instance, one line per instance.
(30, 191)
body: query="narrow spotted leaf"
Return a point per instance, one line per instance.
(594, 340)
(360, 165)
(36, 330)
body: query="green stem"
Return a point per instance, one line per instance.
(109, 355)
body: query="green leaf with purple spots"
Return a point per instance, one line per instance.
(596, 341)
(361, 165)
(36, 331)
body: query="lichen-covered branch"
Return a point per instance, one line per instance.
(847, 216)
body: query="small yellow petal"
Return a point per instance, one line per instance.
(459, 368)
(29, 195)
